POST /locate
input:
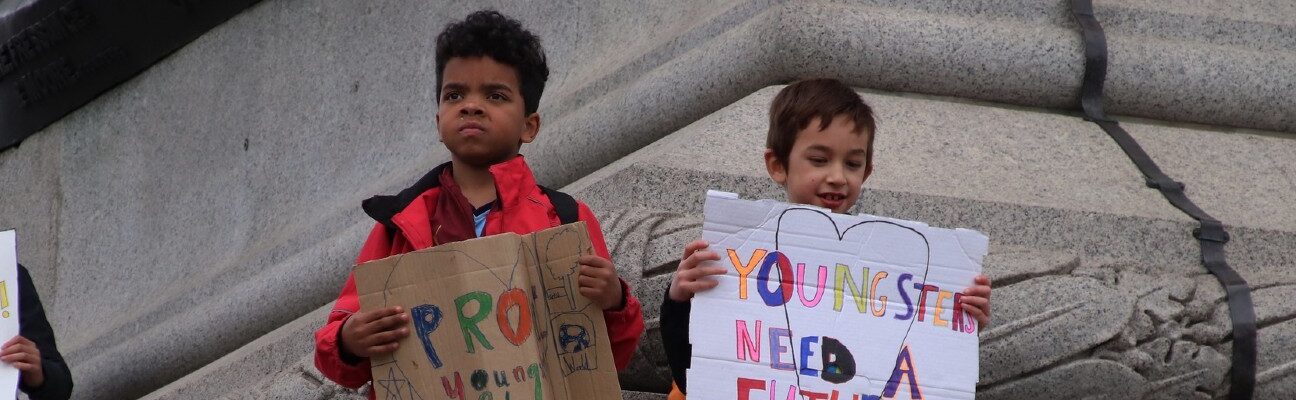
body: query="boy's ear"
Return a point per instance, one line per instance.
(436, 125)
(777, 170)
(531, 129)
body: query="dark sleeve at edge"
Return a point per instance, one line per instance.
(675, 337)
(34, 327)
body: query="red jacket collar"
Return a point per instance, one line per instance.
(409, 212)
(513, 181)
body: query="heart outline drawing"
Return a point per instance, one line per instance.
(840, 236)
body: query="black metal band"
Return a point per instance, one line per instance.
(1211, 235)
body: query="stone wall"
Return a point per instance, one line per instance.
(1098, 291)
(212, 200)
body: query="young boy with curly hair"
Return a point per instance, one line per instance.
(490, 75)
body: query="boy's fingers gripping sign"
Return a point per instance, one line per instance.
(23, 354)
(976, 300)
(599, 282)
(693, 276)
(369, 333)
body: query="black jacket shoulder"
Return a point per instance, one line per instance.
(35, 327)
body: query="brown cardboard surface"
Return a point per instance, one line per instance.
(492, 318)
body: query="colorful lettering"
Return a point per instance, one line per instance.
(904, 295)
(922, 297)
(745, 341)
(427, 318)
(838, 362)
(816, 395)
(501, 379)
(805, 355)
(777, 348)
(534, 372)
(823, 278)
(780, 296)
(455, 390)
(904, 369)
(957, 324)
(469, 324)
(936, 315)
(846, 281)
(745, 269)
(969, 323)
(479, 379)
(880, 300)
(746, 386)
(514, 298)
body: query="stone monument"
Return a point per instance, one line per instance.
(189, 228)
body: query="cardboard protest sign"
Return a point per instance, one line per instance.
(499, 317)
(817, 305)
(8, 307)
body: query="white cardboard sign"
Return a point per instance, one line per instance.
(8, 308)
(824, 306)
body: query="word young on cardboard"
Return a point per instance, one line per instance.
(499, 317)
(824, 306)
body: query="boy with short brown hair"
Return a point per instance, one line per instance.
(820, 150)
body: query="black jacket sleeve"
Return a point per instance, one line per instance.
(34, 327)
(675, 337)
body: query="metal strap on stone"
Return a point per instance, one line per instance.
(1210, 235)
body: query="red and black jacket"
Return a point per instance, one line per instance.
(422, 216)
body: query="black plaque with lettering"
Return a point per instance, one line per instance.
(57, 55)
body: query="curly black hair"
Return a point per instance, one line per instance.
(489, 33)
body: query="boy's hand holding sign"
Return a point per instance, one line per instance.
(500, 317)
